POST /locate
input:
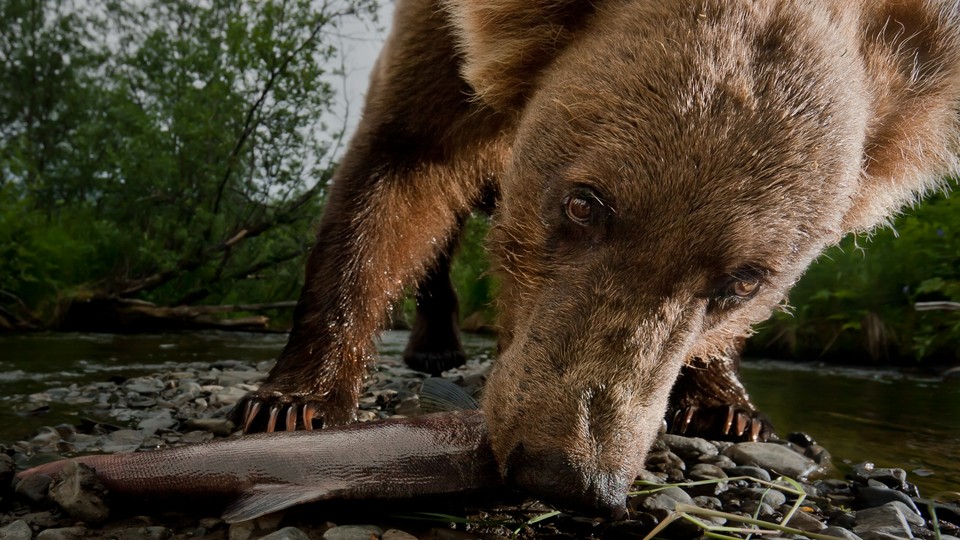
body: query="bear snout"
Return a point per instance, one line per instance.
(553, 476)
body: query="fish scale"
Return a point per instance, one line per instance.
(434, 454)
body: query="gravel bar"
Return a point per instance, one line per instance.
(719, 480)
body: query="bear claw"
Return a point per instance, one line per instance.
(282, 413)
(724, 422)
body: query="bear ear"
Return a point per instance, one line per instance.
(911, 52)
(506, 44)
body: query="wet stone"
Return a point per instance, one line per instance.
(218, 426)
(143, 385)
(870, 497)
(662, 503)
(749, 470)
(34, 488)
(287, 533)
(121, 441)
(689, 448)
(353, 532)
(803, 521)
(81, 495)
(719, 460)
(228, 396)
(710, 503)
(7, 468)
(770, 496)
(706, 471)
(840, 532)
(397, 534)
(757, 508)
(650, 477)
(196, 437)
(156, 421)
(886, 519)
(773, 457)
(145, 533)
(62, 533)
(665, 461)
(18, 530)
(894, 478)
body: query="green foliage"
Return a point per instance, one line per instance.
(167, 149)
(470, 270)
(856, 304)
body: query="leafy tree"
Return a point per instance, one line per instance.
(170, 150)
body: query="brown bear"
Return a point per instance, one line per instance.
(662, 172)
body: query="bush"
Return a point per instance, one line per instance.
(856, 303)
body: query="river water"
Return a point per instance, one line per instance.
(892, 419)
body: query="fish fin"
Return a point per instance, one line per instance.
(440, 395)
(268, 498)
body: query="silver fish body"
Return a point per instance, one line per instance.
(434, 454)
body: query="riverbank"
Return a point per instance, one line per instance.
(187, 404)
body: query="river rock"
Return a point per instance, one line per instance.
(218, 426)
(287, 533)
(353, 532)
(748, 470)
(143, 385)
(144, 533)
(689, 448)
(18, 530)
(397, 534)
(773, 457)
(34, 488)
(770, 496)
(62, 533)
(7, 468)
(894, 478)
(840, 532)
(156, 421)
(78, 491)
(870, 497)
(227, 396)
(122, 441)
(888, 519)
(803, 521)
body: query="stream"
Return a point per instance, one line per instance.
(885, 416)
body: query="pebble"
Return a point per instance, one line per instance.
(772, 457)
(803, 521)
(353, 532)
(220, 427)
(689, 448)
(62, 533)
(887, 519)
(397, 534)
(18, 530)
(34, 488)
(287, 533)
(189, 405)
(770, 496)
(145, 533)
(749, 470)
(869, 497)
(80, 494)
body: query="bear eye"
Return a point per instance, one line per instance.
(580, 208)
(744, 288)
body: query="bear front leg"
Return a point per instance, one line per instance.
(373, 241)
(423, 156)
(709, 400)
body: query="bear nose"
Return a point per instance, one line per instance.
(553, 477)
